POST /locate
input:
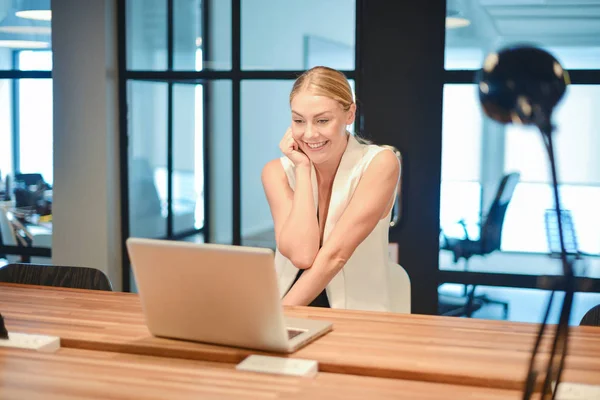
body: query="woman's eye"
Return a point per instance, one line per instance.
(323, 121)
(298, 121)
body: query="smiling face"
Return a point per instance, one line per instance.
(319, 126)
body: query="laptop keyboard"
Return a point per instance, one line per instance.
(292, 333)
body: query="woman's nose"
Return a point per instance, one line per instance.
(309, 132)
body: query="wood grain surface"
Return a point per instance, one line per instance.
(88, 374)
(416, 347)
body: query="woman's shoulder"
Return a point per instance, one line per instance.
(277, 168)
(282, 162)
(387, 156)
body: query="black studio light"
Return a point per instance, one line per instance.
(522, 85)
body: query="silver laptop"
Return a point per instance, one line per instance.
(217, 294)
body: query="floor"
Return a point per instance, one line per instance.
(527, 305)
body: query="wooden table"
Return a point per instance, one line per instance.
(88, 374)
(416, 347)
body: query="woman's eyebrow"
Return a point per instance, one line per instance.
(318, 115)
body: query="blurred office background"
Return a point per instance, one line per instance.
(154, 118)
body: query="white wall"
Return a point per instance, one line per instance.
(265, 116)
(220, 35)
(265, 110)
(146, 50)
(221, 169)
(86, 209)
(219, 130)
(146, 26)
(147, 102)
(273, 39)
(186, 30)
(576, 141)
(273, 31)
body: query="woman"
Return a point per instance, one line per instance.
(331, 197)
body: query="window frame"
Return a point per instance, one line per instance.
(171, 76)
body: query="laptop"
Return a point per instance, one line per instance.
(218, 294)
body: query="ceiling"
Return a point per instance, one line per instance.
(569, 23)
(16, 32)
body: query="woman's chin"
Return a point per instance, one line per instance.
(318, 159)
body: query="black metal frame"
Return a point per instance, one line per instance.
(582, 284)
(15, 74)
(236, 127)
(26, 252)
(543, 282)
(206, 55)
(170, 46)
(236, 75)
(401, 80)
(16, 129)
(123, 144)
(577, 76)
(170, 77)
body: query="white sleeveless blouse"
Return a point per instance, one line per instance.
(364, 282)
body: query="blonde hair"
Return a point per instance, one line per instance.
(325, 81)
(328, 82)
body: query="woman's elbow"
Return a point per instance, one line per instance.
(302, 255)
(302, 262)
(301, 258)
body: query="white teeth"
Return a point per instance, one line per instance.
(316, 145)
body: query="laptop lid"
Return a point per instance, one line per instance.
(209, 293)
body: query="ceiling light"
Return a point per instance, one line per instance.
(27, 30)
(24, 44)
(454, 19)
(19, 33)
(38, 10)
(37, 15)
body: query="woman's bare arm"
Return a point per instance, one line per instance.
(371, 202)
(294, 213)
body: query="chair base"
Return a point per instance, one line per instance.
(457, 306)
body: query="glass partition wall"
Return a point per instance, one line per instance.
(206, 83)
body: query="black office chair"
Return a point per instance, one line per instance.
(489, 241)
(31, 179)
(592, 317)
(569, 236)
(54, 275)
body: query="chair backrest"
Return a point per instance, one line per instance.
(29, 179)
(553, 233)
(142, 190)
(7, 232)
(592, 317)
(400, 289)
(54, 275)
(491, 228)
(8, 237)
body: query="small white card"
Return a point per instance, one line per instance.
(577, 391)
(279, 365)
(48, 344)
